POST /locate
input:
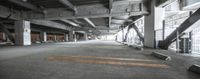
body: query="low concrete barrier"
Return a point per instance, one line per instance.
(194, 68)
(161, 56)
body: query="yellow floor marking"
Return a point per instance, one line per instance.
(124, 63)
(105, 60)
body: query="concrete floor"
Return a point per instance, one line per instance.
(91, 60)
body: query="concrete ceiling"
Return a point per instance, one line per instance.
(104, 16)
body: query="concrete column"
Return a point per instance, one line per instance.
(4, 36)
(43, 36)
(71, 36)
(85, 36)
(22, 33)
(75, 37)
(153, 21)
(177, 42)
(66, 38)
(55, 37)
(122, 33)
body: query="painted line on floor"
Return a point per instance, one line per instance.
(83, 59)
(105, 58)
(124, 63)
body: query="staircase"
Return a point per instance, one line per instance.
(181, 30)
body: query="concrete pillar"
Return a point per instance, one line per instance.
(66, 38)
(4, 36)
(43, 36)
(75, 37)
(22, 33)
(177, 42)
(72, 36)
(122, 33)
(85, 36)
(153, 21)
(55, 37)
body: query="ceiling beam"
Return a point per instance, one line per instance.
(133, 0)
(76, 21)
(126, 2)
(51, 24)
(86, 11)
(70, 22)
(68, 4)
(90, 22)
(7, 13)
(53, 16)
(163, 3)
(117, 19)
(85, 29)
(26, 5)
(116, 23)
(104, 28)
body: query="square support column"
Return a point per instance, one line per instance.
(85, 36)
(153, 21)
(4, 36)
(55, 37)
(22, 33)
(72, 36)
(66, 38)
(43, 36)
(75, 37)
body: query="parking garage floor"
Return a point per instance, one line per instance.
(91, 60)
